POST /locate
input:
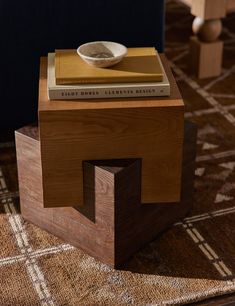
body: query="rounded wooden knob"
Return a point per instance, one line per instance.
(207, 30)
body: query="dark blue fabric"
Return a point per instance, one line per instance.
(30, 29)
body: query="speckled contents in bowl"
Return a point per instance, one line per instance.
(102, 53)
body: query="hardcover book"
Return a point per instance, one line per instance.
(96, 91)
(139, 65)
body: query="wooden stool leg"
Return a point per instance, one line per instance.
(205, 57)
(206, 49)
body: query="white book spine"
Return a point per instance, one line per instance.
(119, 92)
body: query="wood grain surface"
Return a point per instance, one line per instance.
(71, 132)
(116, 224)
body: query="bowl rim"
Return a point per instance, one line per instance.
(102, 58)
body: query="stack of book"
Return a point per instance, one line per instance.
(139, 74)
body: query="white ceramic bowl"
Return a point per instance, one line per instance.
(102, 53)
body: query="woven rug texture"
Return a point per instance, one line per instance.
(193, 260)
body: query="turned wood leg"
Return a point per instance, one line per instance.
(206, 49)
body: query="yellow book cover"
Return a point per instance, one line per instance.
(139, 65)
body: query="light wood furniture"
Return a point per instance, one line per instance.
(71, 132)
(206, 49)
(113, 224)
(107, 175)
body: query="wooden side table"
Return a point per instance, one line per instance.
(106, 175)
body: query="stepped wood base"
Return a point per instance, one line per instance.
(112, 224)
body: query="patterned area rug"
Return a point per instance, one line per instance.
(192, 261)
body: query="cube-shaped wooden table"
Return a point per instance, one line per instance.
(121, 158)
(72, 132)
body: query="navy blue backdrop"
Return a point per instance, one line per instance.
(30, 29)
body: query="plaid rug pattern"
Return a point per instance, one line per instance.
(192, 261)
